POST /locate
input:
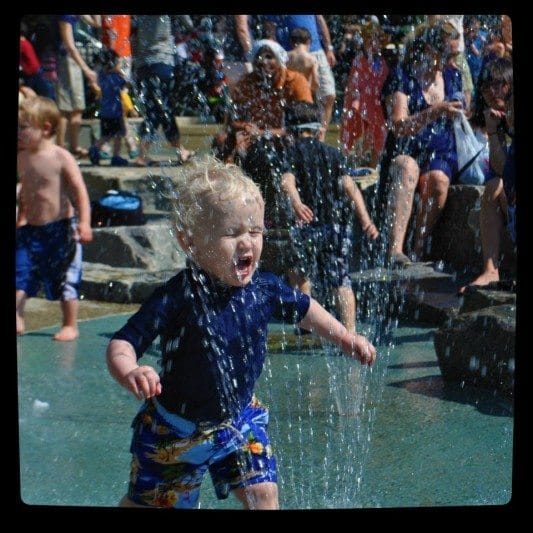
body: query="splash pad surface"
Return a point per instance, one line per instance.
(344, 437)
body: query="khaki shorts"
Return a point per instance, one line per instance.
(70, 92)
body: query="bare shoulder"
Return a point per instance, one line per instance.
(62, 154)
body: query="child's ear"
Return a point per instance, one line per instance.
(185, 242)
(48, 129)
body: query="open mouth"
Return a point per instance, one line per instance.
(244, 265)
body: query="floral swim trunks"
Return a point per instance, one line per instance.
(171, 455)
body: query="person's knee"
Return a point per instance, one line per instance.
(259, 496)
(406, 170)
(438, 182)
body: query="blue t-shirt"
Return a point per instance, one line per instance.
(213, 339)
(111, 84)
(286, 23)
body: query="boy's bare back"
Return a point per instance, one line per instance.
(303, 61)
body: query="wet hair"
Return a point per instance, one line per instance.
(204, 184)
(38, 110)
(300, 36)
(301, 113)
(497, 70)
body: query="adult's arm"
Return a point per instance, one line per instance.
(403, 124)
(326, 40)
(243, 33)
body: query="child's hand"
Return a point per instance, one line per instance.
(85, 232)
(143, 382)
(304, 213)
(371, 231)
(360, 348)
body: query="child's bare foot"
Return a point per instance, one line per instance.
(67, 333)
(483, 279)
(21, 326)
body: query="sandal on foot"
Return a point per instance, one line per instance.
(181, 160)
(80, 152)
(399, 260)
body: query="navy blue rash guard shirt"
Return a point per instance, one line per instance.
(213, 339)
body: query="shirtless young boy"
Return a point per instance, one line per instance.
(301, 60)
(53, 218)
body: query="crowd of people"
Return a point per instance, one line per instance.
(270, 168)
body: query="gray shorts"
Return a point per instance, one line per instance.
(325, 74)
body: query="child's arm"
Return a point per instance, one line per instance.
(142, 381)
(303, 212)
(78, 190)
(328, 327)
(358, 202)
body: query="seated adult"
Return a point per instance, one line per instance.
(498, 203)
(254, 137)
(422, 96)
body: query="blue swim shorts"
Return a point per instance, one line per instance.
(171, 454)
(49, 254)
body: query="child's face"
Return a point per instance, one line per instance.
(228, 242)
(29, 135)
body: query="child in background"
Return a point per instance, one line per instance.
(324, 198)
(49, 235)
(200, 412)
(112, 123)
(301, 60)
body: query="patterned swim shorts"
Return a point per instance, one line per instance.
(171, 455)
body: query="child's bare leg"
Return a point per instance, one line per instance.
(117, 145)
(345, 302)
(69, 330)
(21, 303)
(259, 496)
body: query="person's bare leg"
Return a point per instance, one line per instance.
(62, 129)
(142, 159)
(117, 145)
(21, 303)
(69, 329)
(260, 496)
(491, 218)
(327, 109)
(73, 131)
(346, 307)
(433, 192)
(405, 178)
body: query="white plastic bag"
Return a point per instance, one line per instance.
(468, 153)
